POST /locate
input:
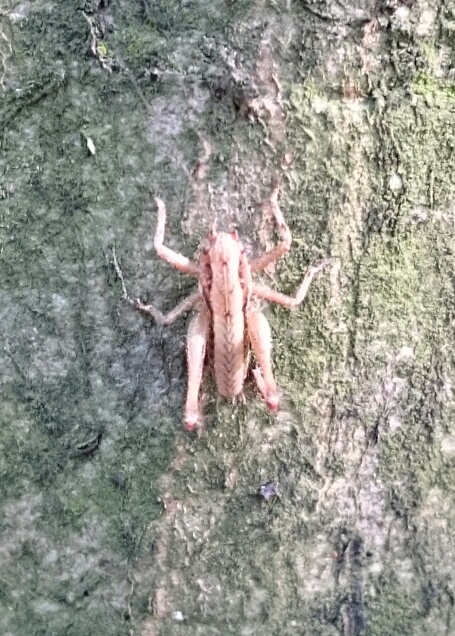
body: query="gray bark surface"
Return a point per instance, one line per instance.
(116, 521)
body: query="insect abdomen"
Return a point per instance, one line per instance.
(229, 360)
(227, 303)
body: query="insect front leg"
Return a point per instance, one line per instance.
(262, 291)
(277, 252)
(261, 342)
(198, 331)
(173, 258)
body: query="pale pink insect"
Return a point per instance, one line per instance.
(225, 312)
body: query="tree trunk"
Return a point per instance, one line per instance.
(117, 521)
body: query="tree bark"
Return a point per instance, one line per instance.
(114, 519)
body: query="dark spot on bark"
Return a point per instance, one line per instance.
(118, 480)
(268, 490)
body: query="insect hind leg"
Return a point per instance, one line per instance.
(261, 342)
(198, 331)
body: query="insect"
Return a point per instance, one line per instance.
(226, 315)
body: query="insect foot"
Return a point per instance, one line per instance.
(193, 420)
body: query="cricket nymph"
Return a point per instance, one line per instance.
(226, 315)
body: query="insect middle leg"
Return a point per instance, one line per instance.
(261, 342)
(166, 319)
(198, 332)
(262, 291)
(163, 319)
